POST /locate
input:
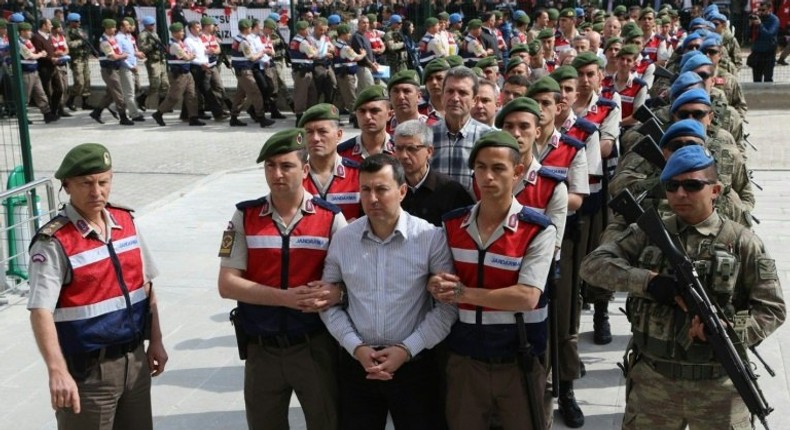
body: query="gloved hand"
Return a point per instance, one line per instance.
(663, 288)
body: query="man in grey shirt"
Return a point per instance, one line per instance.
(390, 322)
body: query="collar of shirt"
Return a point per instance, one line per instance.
(306, 206)
(463, 132)
(359, 148)
(420, 117)
(709, 227)
(401, 229)
(569, 121)
(340, 169)
(83, 226)
(510, 222)
(428, 180)
(44, 35)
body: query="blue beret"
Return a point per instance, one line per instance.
(687, 56)
(696, 22)
(396, 19)
(274, 17)
(690, 37)
(73, 17)
(710, 42)
(710, 10)
(717, 17)
(695, 62)
(215, 20)
(149, 20)
(685, 127)
(335, 19)
(579, 12)
(697, 95)
(686, 159)
(16, 17)
(682, 83)
(455, 18)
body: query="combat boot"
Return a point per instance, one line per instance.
(125, 119)
(571, 412)
(235, 122)
(70, 104)
(265, 122)
(602, 332)
(157, 116)
(50, 117)
(96, 115)
(62, 113)
(140, 99)
(276, 114)
(86, 105)
(195, 121)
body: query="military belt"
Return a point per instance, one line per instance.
(285, 340)
(691, 372)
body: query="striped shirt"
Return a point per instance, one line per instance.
(451, 151)
(386, 282)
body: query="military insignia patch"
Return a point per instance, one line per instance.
(82, 226)
(532, 176)
(38, 258)
(230, 225)
(341, 171)
(335, 111)
(226, 246)
(107, 159)
(511, 222)
(766, 269)
(308, 205)
(299, 139)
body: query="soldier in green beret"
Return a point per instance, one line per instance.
(490, 68)
(610, 50)
(91, 321)
(182, 84)
(431, 45)
(516, 66)
(547, 38)
(473, 47)
(244, 58)
(632, 89)
(155, 51)
(110, 64)
(345, 65)
(404, 93)
(303, 54)
(654, 46)
(372, 110)
(520, 50)
(567, 30)
(433, 79)
(270, 289)
(34, 87)
(519, 35)
(454, 60)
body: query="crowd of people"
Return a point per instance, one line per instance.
(434, 267)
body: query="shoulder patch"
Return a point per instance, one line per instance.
(578, 144)
(347, 145)
(547, 173)
(121, 207)
(250, 203)
(602, 101)
(766, 269)
(53, 225)
(586, 125)
(349, 162)
(641, 82)
(457, 213)
(326, 205)
(530, 215)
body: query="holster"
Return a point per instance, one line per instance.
(242, 339)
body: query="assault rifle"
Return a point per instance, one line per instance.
(554, 338)
(526, 362)
(88, 44)
(718, 331)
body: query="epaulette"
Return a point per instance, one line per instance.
(457, 213)
(641, 82)
(53, 225)
(349, 162)
(537, 218)
(576, 143)
(603, 101)
(250, 203)
(326, 205)
(586, 125)
(347, 145)
(547, 173)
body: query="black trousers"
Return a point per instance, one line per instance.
(411, 397)
(206, 97)
(764, 63)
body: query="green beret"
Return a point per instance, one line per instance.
(586, 58)
(513, 62)
(599, 13)
(454, 60)
(630, 31)
(473, 24)
(56, 23)
(665, 6)
(568, 13)
(320, 112)
(177, 26)
(435, 65)
(406, 76)
(321, 20)
(443, 16)
(673, 13)
(646, 11)
(597, 27)
(270, 24)
(543, 85)
(282, 142)
(492, 139)
(84, 159)
(498, 14)
(130, 20)
(599, 18)
(301, 25)
(108, 23)
(372, 18)
(620, 9)
(24, 26)
(479, 72)
(611, 41)
(343, 29)
(628, 50)
(430, 22)
(245, 23)
(372, 93)
(585, 25)
(206, 20)
(546, 33)
(554, 14)
(523, 19)
(487, 62)
(517, 48)
(533, 47)
(564, 73)
(519, 104)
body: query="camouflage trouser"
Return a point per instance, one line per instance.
(656, 402)
(82, 78)
(158, 83)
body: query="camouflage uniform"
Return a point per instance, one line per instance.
(158, 82)
(728, 83)
(284, 100)
(80, 56)
(397, 57)
(732, 50)
(673, 381)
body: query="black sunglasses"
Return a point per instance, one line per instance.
(697, 114)
(705, 75)
(677, 144)
(690, 185)
(711, 51)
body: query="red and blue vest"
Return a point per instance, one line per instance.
(343, 191)
(105, 303)
(627, 94)
(650, 49)
(28, 65)
(178, 65)
(537, 196)
(483, 332)
(343, 66)
(284, 261)
(105, 61)
(560, 157)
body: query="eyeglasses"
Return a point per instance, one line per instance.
(711, 51)
(692, 47)
(690, 185)
(677, 144)
(705, 75)
(411, 149)
(698, 114)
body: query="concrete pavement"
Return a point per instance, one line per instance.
(185, 185)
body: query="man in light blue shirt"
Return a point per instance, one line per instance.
(390, 322)
(128, 46)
